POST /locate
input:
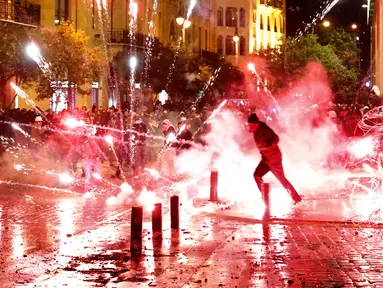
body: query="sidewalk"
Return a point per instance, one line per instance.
(314, 244)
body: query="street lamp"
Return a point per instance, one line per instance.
(185, 23)
(326, 24)
(236, 40)
(354, 26)
(180, 19)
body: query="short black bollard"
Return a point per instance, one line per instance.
(157, 221)
(214, 186)
(266, 193)
(174, 212)
(136, 231)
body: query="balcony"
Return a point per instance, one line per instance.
(122, 36)
(20, 11)
(273, 3)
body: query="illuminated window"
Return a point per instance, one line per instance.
(231, 17)
(242, 17)
(220, 16)
(61, 11)
(220, 45)
(242, 46)
(275, 25)
(281, 27)
(268, 23)
(261, 22)
(230, 45)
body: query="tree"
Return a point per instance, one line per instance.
(287, 63)
(70, 59)
(182, 75)
(13, 60)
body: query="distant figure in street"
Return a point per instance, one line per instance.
(267, 143)
(184, 136)
(37, 131)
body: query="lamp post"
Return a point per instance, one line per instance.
(326, 23)
(185, 23)
(236, 41)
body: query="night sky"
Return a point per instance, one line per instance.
(343, 14)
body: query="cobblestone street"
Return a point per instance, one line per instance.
(72, 242)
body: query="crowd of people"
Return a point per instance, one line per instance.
(130, 140)
(127, 140)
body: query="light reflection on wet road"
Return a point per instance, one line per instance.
(57, 240)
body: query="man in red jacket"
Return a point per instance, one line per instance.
(267, 143)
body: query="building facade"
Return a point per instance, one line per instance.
(213, 24)
(376, 20)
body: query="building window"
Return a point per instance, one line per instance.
(254, 16)
(206, 39)
(268, 23)
(199, 39)
(193, 37)
(242, 17)
(61, 11)
(231, 17)
(230, 45)
(94, 14)
(275, 25)
(242, 46)
(281, 25)
(261, 22)
(220, 45)
(172, 32)
(220, 16)
(159, 33)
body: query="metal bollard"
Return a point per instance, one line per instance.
(174, 212)
(214, 186)
(157, 221)
(266, 193)
(136, 231)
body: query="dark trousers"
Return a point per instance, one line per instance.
(277, 169)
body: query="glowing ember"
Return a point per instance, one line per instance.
(66, 178)
(171, 138)
(154, 173)
(251, 67)
(109, 139)
(96, 176)
(147, 199)
(133, 9)
(18, 167)
(88, 195)
(111, 200)
(72, 123)
(362, 147)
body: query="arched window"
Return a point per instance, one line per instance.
(230, 45)
(220, 16)
(268, 23)
(275, 25)
(172, 32)
(242, 17)
(231, 17)
(281, 25)
(220, 45)
(261, 22)
(242, 46)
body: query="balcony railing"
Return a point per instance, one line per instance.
(20, 11)
(274, 3)
(122, 36)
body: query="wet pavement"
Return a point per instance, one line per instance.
(57, 239)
